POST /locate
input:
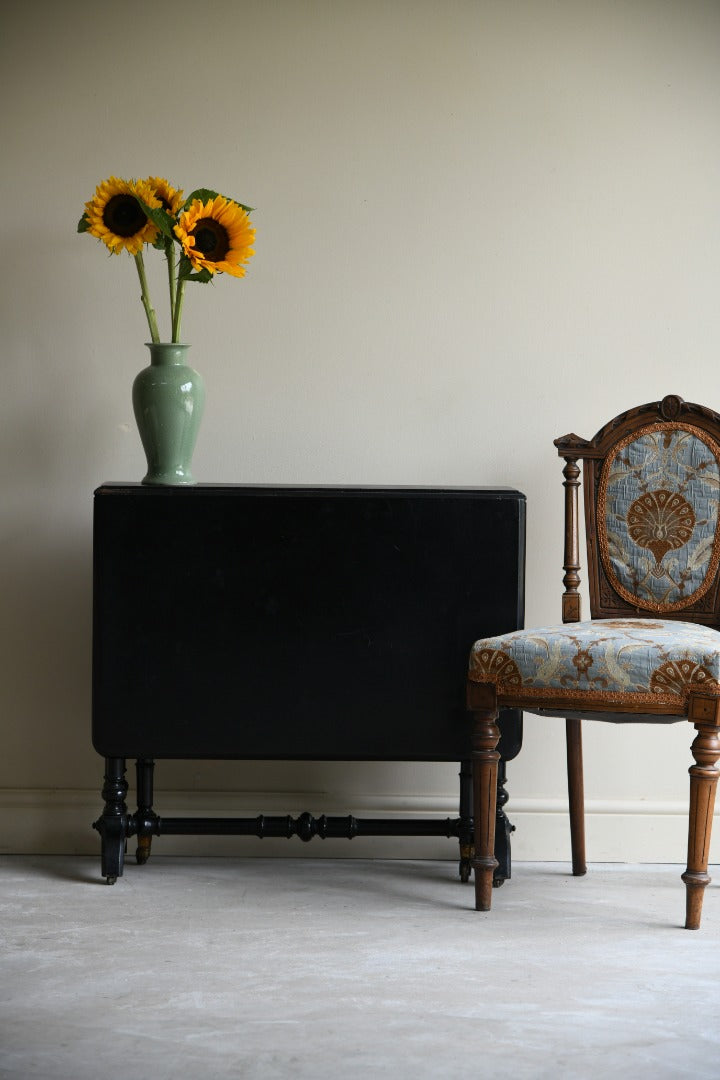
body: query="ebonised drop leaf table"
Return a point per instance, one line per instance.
(306, 623)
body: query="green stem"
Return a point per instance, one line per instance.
(177, 315)
(145, 297)
(169, 254)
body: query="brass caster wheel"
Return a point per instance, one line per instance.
(142, 854)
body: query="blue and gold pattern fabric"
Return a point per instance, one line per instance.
(658, 516)
(605, 662)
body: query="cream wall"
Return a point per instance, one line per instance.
(479, 225)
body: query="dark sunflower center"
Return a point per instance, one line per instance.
(211, 239)
(123, 215)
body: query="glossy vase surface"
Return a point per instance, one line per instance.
(168, 400)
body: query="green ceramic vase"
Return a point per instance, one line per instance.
(168, 399)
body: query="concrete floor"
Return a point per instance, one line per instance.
(259, 969)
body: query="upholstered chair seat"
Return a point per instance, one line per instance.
(603, 664)
(651, 650)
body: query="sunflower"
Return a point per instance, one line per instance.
(171, 199)
(216, 236)
(115, 216)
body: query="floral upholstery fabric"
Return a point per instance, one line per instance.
(657, 516)
(606, 662)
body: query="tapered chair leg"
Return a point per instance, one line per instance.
(576, 795)
(482, 702)
(703, 784)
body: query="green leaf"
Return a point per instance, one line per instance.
(83, 224)
(184, 267)
(186, 273)
(206, 195)
(160, 218)
(203, 194)
(203, 276)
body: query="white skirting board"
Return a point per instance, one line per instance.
(60, 822)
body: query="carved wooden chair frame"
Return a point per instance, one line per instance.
(702, 708)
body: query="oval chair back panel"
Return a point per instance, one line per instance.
(651, 504)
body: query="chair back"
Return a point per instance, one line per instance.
(651, 487)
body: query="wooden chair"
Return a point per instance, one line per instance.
(651, 650)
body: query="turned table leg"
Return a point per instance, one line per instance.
(146, 820)
(113, 822)
(466, 820)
